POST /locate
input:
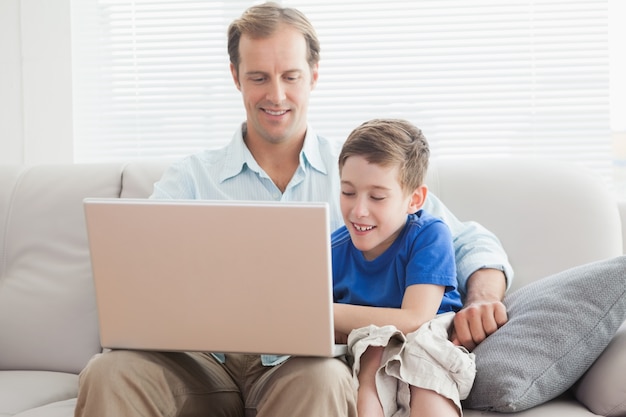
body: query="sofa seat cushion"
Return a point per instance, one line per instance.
(58, 409)
(557, 328)
(563, 406)
(24, 390)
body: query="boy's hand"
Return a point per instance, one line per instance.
(341, 338)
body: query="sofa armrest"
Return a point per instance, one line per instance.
(621, 205)
(48, 316)
(603, 388)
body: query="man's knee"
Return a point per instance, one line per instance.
(331, 372)
(109, 366)
(326, 376)
(306, 387)
(180, 382)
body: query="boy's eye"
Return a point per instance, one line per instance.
(376, 198)
(347, 193)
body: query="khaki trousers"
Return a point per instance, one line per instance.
(151, 384)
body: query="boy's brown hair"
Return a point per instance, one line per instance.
(389, 142)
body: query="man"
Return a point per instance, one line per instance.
(275, 155)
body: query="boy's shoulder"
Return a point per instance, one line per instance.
(423, 217)
(339, 236)
(425, 221)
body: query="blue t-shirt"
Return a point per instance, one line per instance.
(422, 254)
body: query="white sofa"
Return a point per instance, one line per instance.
(549, 217)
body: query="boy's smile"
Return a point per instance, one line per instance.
(360, 228)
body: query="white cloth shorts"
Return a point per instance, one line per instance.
(425, 358)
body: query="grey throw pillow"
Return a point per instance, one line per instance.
(557, 328)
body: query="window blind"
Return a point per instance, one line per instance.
(479, 77)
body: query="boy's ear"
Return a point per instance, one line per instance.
(418, 198)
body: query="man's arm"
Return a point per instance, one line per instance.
(483, 312)
(483, 273)
(174, 183)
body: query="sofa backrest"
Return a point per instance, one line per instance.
(48, 317)
(138, 178)
(548, 215)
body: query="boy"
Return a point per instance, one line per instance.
(393, 273)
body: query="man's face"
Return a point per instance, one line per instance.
(275, 81)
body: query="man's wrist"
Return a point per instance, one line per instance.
(487, 284)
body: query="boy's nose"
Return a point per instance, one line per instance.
(360, 208)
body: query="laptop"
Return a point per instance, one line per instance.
(215, 276)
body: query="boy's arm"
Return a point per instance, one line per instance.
(419, 305)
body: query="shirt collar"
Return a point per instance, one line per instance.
(238, 155)
(311, 151)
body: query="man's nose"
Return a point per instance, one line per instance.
(276, 92)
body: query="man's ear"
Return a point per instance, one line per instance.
(418, 198)
(233, 72)
(315, 73)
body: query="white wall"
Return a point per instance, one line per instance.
(10, 84)
(621, 205)
(35, 82)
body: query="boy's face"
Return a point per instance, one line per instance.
(374, 205)
(275, 81)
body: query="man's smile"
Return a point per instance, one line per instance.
(275, 112)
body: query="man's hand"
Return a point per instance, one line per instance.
(483, 312)
(476, 321)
